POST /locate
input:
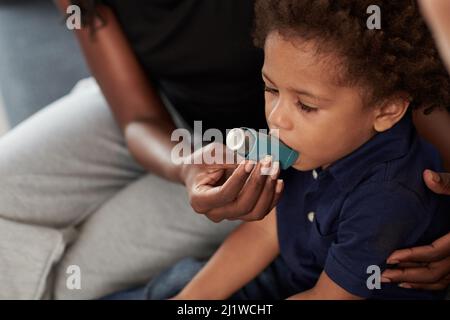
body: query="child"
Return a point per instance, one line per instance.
(342, 96)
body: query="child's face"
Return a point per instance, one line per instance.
(321, 120)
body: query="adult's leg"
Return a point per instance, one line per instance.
(141, 231)
(56, 168)
(61, 166)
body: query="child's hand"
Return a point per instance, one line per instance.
(232, 191)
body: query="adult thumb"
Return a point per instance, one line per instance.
(437, 182)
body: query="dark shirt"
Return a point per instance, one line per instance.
(355, 213)
(200, 54)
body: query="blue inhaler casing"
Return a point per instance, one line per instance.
(253, 145)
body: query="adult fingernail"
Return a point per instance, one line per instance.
(267, 160)
(275, 170)
(266, 163)
(249, 166)
(436, 177)
(385, 280)
(405, 286)
(393, 261)
(279, 186)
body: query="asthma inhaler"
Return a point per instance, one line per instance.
(253, 145)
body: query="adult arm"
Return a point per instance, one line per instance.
(219, 192)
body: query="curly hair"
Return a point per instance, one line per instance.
(401, 57)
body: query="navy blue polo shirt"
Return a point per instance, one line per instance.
(355, 213)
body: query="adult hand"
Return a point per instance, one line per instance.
(426, 267)
(248, 191)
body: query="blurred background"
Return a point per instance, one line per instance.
(39, 59)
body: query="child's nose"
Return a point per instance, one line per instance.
(281, 117)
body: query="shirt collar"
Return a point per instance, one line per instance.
(385, 146)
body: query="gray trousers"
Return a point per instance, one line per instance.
(72, 195)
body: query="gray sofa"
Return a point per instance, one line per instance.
(39, 58)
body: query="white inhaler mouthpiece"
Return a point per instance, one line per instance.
(254, 145)
(240, 140)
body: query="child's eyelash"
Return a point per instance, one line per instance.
(302, 106)
(306, 108)
(270, 90)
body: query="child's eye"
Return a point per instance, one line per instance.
(306, 108)
(270, 90)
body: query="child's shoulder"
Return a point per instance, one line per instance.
(403, 176)
(394, 191)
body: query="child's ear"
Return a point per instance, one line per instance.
(390, 112)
